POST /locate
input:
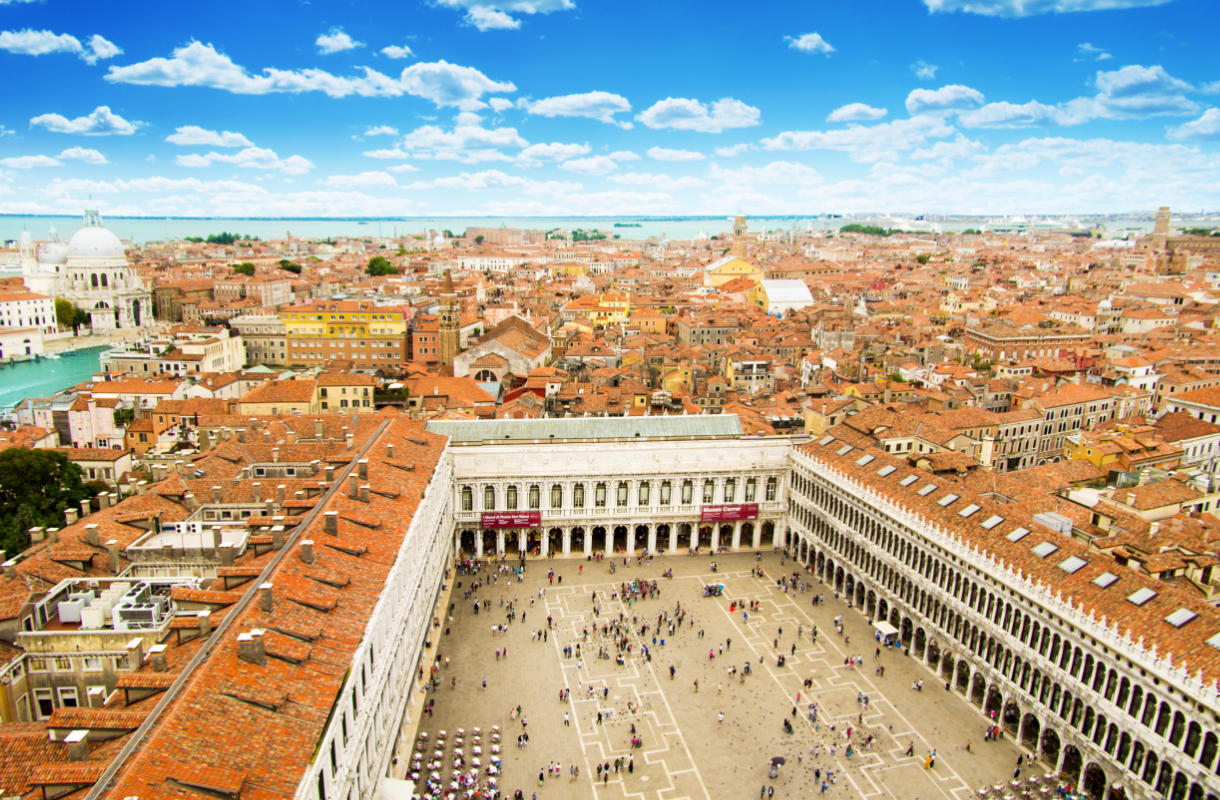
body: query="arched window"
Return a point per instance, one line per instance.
(510, 499)
(772, 488)
(709, 491)
(489, 498)
(751, 489)
(105, 282)
(467, 499)
(535, 496)
(556, 495)
(730, 490)
(643, 494)
(666, 492)
(599, 495)
(578, 495)
(93, 281)
(688, 490)
(620, 494)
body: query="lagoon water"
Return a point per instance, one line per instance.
(46, 376)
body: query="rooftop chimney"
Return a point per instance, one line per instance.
(216, 494)
(190, 502)
(364, 493)
(216, 536)
(103, 501)
(84, 507)
(250, 647)
(318, 428)
(156, 657)
(227, 554)
(10, 568)
(53, 535)
(330, 474)
(362, 468)
(307, 550)
(135, 654)
(332, 522)
(95, 697)
(280, 491)
(205, 623)
(91, 537)
(141, 487)
(112, 550)
(265, 601)
(389, 450)
(277, 536)
(275, 455)
(353, 486)
(78, 745)
(70, 516)
(38, 534)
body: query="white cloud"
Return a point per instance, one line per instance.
(734, 150)
(776, 172)
(1012, 115)
(448, 84)
(85, 154)
(381, 130)
(1206, 127)
(593, 165)
(28, 162)
(809, 43)
(961, 147)
(856, 112)
(598, 105)
(682, 113)
(554, 151)
(658, 181)
(386, 153)
(99, 122)
(198, 64)
(335, 41)
(953, 97)
(469, 141)
(624, 155)
(189, 135)
(1025, 8)
(1210, 88)
(40, 43)
(403, 168)
(1085, 51)
(666, 154)
(924, 71)
(496, 179)
(866, 143)
(499, 104)
(397, 51)
(375, 179)
(497, 14)
(248, 158)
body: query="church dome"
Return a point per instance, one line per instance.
(53, 253)
(95, 242)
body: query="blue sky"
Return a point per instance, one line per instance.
(527, 107)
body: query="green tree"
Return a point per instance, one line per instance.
(380, 265)
(478, 239)
(124, 416)
(288, 266)
(244, 268)
(35, 488)
(65, 313)
(923, 258)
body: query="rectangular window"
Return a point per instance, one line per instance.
(709, 491)
(67, 696)
(45, 703)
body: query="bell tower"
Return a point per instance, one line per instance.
(448, 325)
(739, 236)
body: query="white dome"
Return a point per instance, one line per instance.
(53, 253)
(95, 242)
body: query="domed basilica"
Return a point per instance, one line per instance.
(91, 271)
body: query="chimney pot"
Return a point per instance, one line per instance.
(280, 491)
(258, 491)
(353, 487)
(37, 534)
(84, 507)
(95, 697)
(250, 647)
(332, 522)
(190, 502)
(216, 494)
(53, 535)
(265, 601)
(141, 487)
(70, 516)
(275, 455)
(330, 474)
(91, 537)
(10, 568)
(277, 535)
(389, 451)
(216, 536)
(205, 623)
(103, 500)
(362, 468)
(307, 551)
(112, 550)
(227, 554)
(135, 654)
(364, 493)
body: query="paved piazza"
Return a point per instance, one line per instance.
(686, 752)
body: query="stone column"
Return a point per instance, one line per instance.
(652, 539)
(736, 535)
(608, 542)
(499, 541)
(630, 540)
(545, 545)
(588, 542)
(673, 539)
(521, 540)
(715, 537)
(757, 543)
(478, 544)
(567, 542)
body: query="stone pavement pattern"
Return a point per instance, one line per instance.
(686, 753)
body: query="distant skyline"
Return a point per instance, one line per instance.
(573, 107)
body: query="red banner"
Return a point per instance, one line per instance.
(729, 513)
(511, 519)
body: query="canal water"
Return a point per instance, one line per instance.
(46, 376)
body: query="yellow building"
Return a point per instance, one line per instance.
(730, 268)
(369, 336)
(598, 311)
